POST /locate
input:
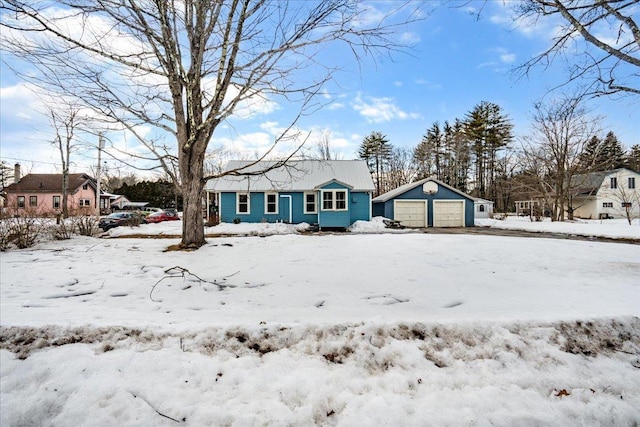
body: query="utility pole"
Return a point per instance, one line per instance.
(100, 147)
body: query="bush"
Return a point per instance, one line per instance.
(85, 225)
(20, 231)
(237, 220)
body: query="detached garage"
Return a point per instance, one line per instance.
(426, 203)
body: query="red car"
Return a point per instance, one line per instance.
(162, 216)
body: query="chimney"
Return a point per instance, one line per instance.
(16, 173)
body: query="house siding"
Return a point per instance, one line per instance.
(386, 209)
(45, 201)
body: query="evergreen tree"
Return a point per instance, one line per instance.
(489, 131)
(633, 158)
(612, 155)
(376, 150)
(589, 155)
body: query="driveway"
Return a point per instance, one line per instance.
(489, 231)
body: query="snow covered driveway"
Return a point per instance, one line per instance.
(374, 329)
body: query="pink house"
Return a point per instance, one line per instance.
(42, 194)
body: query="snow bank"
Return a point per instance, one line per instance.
(612, 228)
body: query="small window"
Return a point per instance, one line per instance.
(85, 186)
(56, 202)
(271, 203)
(627, 205)
(310, 203)
(33, 201)
(341, 200)
(607, 204)
(85, 202)
(21, 201)
(242, 205)
(614, 183)
(327, 200)
(632, 183)
(480, 208)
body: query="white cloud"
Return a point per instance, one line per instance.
(508, 58)
(378, 110)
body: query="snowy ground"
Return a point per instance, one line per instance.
(269, 327)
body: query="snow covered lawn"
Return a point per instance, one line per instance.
(365, 328)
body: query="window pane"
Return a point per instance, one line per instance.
(341, 199)
(310, 202)
(21, 201)
(327, 200)
(614, 182)
(632, 182)
(56, 202)
(33, 201)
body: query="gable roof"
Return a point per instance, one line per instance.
(406, 187)
(48, 183)
(587, 184)
(297, 175)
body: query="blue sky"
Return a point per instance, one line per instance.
(457, 61)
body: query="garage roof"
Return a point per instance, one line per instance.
(404, 188)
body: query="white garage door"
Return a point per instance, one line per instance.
(448, 213)
(410, 213)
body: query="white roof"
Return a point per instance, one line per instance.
(406, 187)
(297, 175)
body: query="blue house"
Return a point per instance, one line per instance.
(426, 203)
(330, 193)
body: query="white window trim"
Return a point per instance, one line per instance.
(315, 202)
(266, 204)
(248, 212)
(334, 200)
(85, 202)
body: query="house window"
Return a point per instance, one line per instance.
(627, 205)
(242, 204)
(271, 203)
(310, 203)
(607, 204)
(33, 201)
(85, 186)
(85, 202)
(56, 202)
(334, 200)
(614, 183)
(480, 208)
(632, 183)
(341, 200)
(21, 201)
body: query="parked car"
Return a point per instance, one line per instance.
(120, 218)
(162, 216)
(149, 211)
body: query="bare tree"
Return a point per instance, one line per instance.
(607, 52)
(182, 68)
(560, 130)
(65, 121)
(322, 148)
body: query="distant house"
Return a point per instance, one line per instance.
(606, 194)
(41, 194)
(426, 203)
(332, 193)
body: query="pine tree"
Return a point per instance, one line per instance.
(376, 150)
(612, 155)
(589, 155)
(489, 131)
(633, 158)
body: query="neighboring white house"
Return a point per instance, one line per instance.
(607, 194)
(483, 208)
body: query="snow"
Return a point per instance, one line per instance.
(269, 325)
